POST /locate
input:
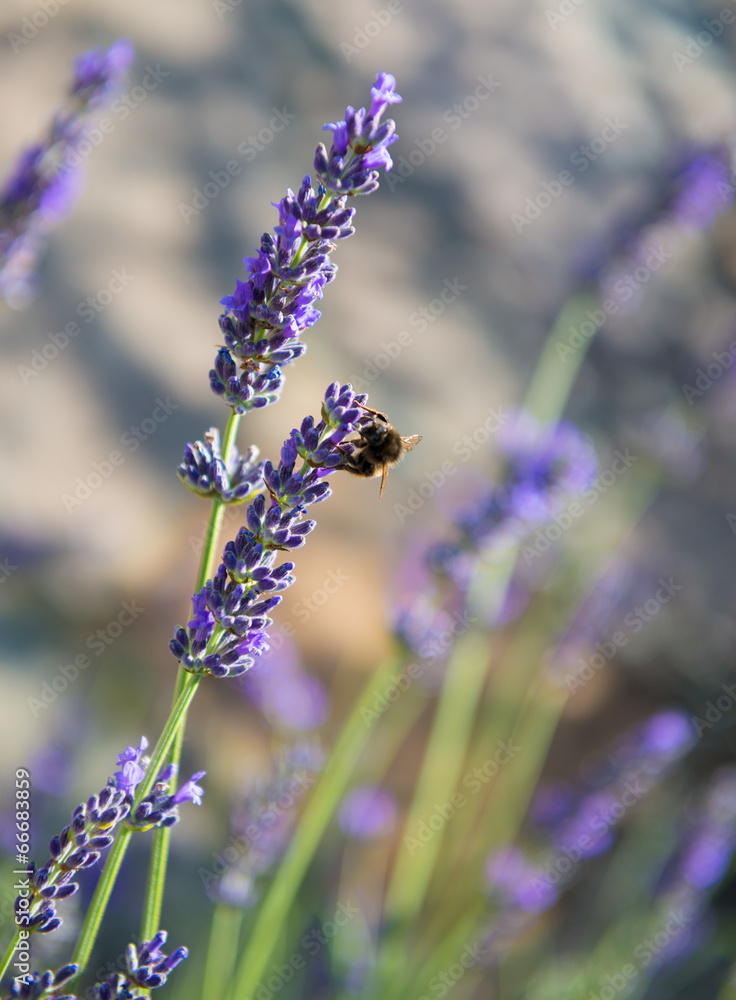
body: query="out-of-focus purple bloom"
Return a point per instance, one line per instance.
(703, 189)
(696, 188)
(518, 882)
(666, 734)
(46, 178)
(99, 70)
(546, 466)
(262, 826)
(367, 811)
(582, 824)
(551, 803)
(281, 690)
(710, 845)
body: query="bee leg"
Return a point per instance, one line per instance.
(384, 478)
(376, 413)
(349, 460)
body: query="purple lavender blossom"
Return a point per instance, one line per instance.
(91, 831)
(131, 774)
(367, 811)
(204, 470)
(583, 825)
(696, 188)
(46, 178)
(519, 883)
(159, 808)
(281, 689)
(229, 626)
(147, 969)
(42, 984)
(189, 791)
(76, 848)
(545, 466)
(268, 313)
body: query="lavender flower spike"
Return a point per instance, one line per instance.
(267, 314)
(147, 969)
(230, 621)
(46, 177)
(43, 984)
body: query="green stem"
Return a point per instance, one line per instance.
(444, 758)
(155, 883)
(223, 947)
(280, 897)
(96, 911)
(10, 951)
(559, 364)
(440, 773)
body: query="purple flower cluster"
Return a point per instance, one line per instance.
(519, 883)
(578, 825)
(262, 826)
(696, 188)
(367, 811)
(267, 314)
(76, 848)
(583, 825)
(228, 627)
(80, 845)
(291, 698)
(205, 472)
(147, 969)
(545, 466)
(43, 984)
(46, 176)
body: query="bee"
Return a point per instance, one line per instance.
(378, 448)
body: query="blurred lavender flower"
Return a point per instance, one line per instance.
(367, 811)
(280, 688)
(545, 466)
(706, 853)
(267, 314)
(229, 627)
(696, 188)
(518, 882)
(47, 177)
(262, 827)
(638, 761)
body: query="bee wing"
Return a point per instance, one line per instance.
(384, 477)
(411, 442)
